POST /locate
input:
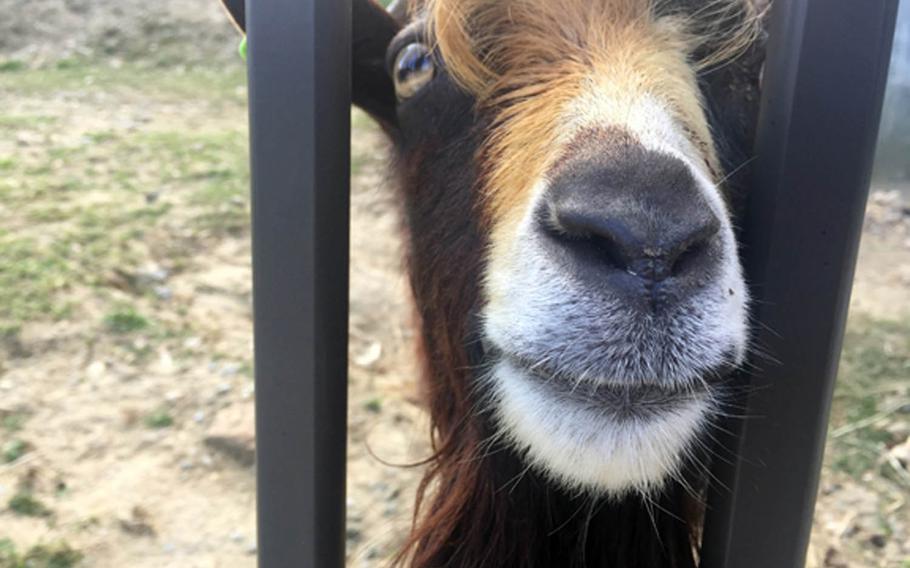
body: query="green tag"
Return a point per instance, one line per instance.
(242, 48)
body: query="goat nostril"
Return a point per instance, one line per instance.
(695, 247)
(652, 251)
(610, 251)
(688, 257)
(611, 242)
(602, 247)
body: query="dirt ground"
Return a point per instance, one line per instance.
(125, 334)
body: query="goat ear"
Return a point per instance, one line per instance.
(371, 86)
(236, 9)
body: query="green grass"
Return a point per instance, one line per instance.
(49, 214)
(152, 81)
(25, 121)
(159, 419)
(872, 386)
(57, 555)
(11, 66)
(14, 421)
(31, 276)
(8, 556)
(125, 320)
(14, 449)
(25, 504)
(92, 205)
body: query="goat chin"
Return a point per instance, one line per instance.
(586, 448)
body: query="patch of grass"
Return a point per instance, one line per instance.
(10, 332)
(49, 214)
(210, 156)
(159, 419)
(81, 210)
(14, 421)
(373, 405)
(30, 277)
(8, 556)
(125, 320)
(871, 385)
(25, 504)
(209, 169)
(246, 369)
(100, 137)
(101, 238)
(11, 66)
(22, 121)
(68, 63)
(58, 555)
(14, 449)
(100, 220)
(169, 83)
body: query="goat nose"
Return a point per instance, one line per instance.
(652, 249)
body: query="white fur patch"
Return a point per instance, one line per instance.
(584, 449)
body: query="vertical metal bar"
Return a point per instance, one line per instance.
(823, 86)
(299, 61)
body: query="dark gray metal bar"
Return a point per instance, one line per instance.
(299, 62)
(823, 86)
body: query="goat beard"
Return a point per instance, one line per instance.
(480, 504)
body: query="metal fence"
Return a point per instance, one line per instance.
(824, 80)
(823, 87)
(299, 56)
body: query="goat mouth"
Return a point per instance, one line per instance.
(640, 400)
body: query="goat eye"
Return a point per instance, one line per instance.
(413, 69)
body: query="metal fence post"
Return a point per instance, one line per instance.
(824, 80)
(299, 92)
